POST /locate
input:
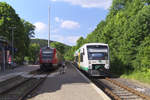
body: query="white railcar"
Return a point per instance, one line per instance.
(93, 58)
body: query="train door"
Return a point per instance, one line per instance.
(80, 58)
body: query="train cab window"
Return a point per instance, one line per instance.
(81, 57)
(76, 58)
(83, 52)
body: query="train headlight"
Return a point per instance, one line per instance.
(90, 66)
(107, 66)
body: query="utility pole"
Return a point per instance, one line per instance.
(12, 42)
(49, 27)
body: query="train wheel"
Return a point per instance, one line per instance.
(41, 67)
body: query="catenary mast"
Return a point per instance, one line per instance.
(49, 26)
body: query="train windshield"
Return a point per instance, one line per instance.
(47, 54)
(97, 52)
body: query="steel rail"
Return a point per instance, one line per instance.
(7, 82)
(33, 88)
(106, 90)
(4, 89)
(113, 95)
(129, 89)
(19, 84)
(14, 86)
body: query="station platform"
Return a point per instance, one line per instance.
(71, 85)
(25, 69)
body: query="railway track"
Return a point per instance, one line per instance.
(115, 90)
(18, 88)
(118, 91)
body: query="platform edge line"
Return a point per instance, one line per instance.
(99, 91)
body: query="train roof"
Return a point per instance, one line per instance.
(95, 44)
(46, 48)
(88, 44)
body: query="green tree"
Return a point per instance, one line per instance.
(126, 29)
(80, 42)
(23, 30)
(34, 50)
(69, 55)
(62, 48)
(29, 33)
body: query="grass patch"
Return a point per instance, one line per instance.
(142, 76)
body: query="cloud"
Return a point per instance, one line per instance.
(40, 27)
(71, 40)
(42, 31)
(57, 19)
(68, 24)
(89, 3)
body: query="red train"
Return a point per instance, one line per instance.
(50, 58)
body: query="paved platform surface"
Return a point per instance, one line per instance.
(17, 71)
(68, 86)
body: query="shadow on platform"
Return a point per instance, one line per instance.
(55, 83)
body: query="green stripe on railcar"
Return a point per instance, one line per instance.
(84, 68)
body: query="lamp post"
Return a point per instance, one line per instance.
(12, 42)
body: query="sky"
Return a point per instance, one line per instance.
(69, 19)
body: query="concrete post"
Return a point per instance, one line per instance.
(4, 62)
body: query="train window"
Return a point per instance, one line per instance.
(96, 47)
(81, 57)
(83, 52)
(76, 58)
(98, 56)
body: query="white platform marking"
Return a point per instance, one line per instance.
(99, 91)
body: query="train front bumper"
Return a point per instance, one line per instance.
(97, 73)
(98, 69)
